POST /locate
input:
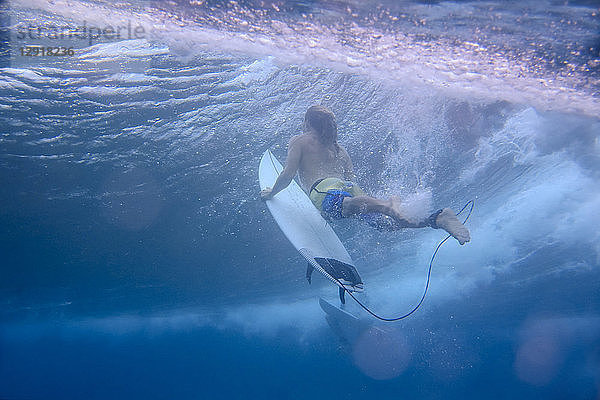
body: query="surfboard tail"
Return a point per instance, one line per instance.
(344, 275)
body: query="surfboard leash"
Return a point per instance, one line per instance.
(470, 202)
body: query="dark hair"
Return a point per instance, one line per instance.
(322, 120)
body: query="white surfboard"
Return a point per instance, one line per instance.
(307, 230)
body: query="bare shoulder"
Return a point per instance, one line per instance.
(298, 141)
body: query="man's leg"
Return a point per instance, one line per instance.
(367, 204)
(446, 219)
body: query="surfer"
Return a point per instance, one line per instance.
(326, 175)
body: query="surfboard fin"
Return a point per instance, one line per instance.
(309, 271)
(342, 292)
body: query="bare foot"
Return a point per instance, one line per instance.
(448, 221)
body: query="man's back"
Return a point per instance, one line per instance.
(318, 161)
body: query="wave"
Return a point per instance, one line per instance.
(367, 46)
(192, 105)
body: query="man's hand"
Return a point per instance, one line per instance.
(266, 194)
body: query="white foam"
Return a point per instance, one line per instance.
(29, 75)
(462, 70)
(9, 83)
(555, 204)
(257, 71)
(268, 319)
(516, 139)
(416, 207)
(123, 49)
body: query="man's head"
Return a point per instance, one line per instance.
(322, 121)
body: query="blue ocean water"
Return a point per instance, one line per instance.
(139, 262)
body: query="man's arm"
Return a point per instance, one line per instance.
(292, 163)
